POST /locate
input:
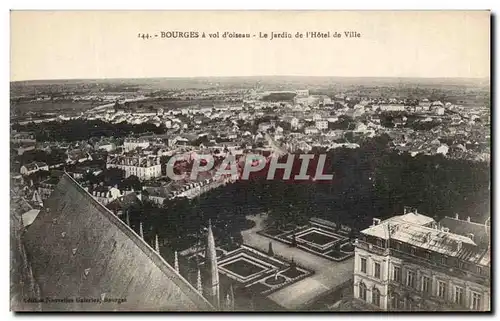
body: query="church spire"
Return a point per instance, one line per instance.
(230, 299)
(211, 265)
(157, 244)
(199, 285)
(176, 262)
(141, 232)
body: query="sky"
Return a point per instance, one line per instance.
(105, 44)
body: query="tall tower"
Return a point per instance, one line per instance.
(229, 304)
(212, 287)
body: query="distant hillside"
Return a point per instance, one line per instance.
(271, 82)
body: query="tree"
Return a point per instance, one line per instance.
(270, 250)
(294, 240)
(113, 176)
(131, 182)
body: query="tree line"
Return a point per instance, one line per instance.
(80, 129)
(370, 181)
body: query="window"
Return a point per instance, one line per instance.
(380, 243)
(410, 279)
(426, 284)
(362, 291)
(459, 295)
(376, 297)
(363, 265)
(476, 301)
(412, 250)
(408, 304)
(479, 270)
(443, 260)
(376, 270)
(441, 290)
(396, 273)
(395, 301)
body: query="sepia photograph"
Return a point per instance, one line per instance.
(250, 161)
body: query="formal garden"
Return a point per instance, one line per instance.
(319, 236)
(253, 270)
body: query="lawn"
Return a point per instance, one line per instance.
(292, 273)
(337, 255)
(273, 232)
(243, 268)
(317, 238)
(258, 288)
(275, 281)
(347, 247)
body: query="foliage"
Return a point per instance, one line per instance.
(131, 182)
(370, 181)
(79, 129)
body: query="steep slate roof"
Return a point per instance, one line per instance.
(79, 249)
(480, 231)
(408, 229)
(124, 202)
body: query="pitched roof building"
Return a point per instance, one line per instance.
(84, 258)
(411, 262)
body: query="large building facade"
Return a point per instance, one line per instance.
(410, 262)
(144, 167)
(132, 144)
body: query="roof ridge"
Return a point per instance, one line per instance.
(465, 221)
(155, 257)
(429, 229)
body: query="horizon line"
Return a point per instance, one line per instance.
(253, 76)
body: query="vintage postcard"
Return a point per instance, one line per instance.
(250, 161)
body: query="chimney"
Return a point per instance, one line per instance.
(456, 216)
(376, 221)
(468, 219)
(471, 236)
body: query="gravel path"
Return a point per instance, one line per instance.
(328, 275)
